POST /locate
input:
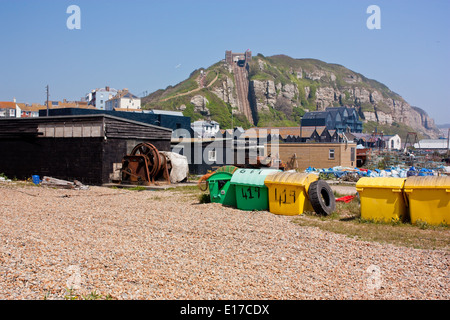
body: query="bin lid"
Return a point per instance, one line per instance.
(220, 176)
(251, 177)
(428, 182)
(381, 183)
(291, 178)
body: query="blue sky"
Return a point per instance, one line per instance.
(148, 45)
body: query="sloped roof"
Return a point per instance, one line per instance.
(7, 105)
(315, 115)
(32, 108)
(282, 131)
(124, 94)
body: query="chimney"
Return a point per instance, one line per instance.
(14, 99)
(107, 88)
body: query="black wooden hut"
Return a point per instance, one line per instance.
(87, 148)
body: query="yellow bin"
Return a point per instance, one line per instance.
(382, 199)
(429, 199)
(288, 192)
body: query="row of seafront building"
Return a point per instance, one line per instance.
(325, 139)
(107, 98)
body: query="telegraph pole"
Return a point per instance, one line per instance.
(47, 98)
(448, 142)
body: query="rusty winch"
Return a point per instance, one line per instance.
(145, 165)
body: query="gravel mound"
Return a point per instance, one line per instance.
(165, 245)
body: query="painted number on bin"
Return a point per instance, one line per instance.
(250, 193)
(284, 197)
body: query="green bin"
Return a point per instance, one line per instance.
(221, 190)
(251, 192)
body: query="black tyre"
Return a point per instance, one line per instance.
(322, 197)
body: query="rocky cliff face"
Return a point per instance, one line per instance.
(316, 87)
(226, 92)
(384, 110)
(282, 89)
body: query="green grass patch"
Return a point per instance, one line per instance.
(347, 220)
(137, 188)
(71, 294)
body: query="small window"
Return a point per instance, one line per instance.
(331, 154)
(212, 155)
(352, 154)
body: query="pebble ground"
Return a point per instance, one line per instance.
(126, 244)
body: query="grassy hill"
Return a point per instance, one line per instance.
(308, 75)
(174, 97)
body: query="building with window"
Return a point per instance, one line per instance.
(378, 140)
(341, 119)
(393, 142)
(9, 109)
(205, 129)
(87, 148)
(98, 97)
(32, 111)
(123, 101)
(317, 155)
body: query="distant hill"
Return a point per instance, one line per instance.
(281, 89)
